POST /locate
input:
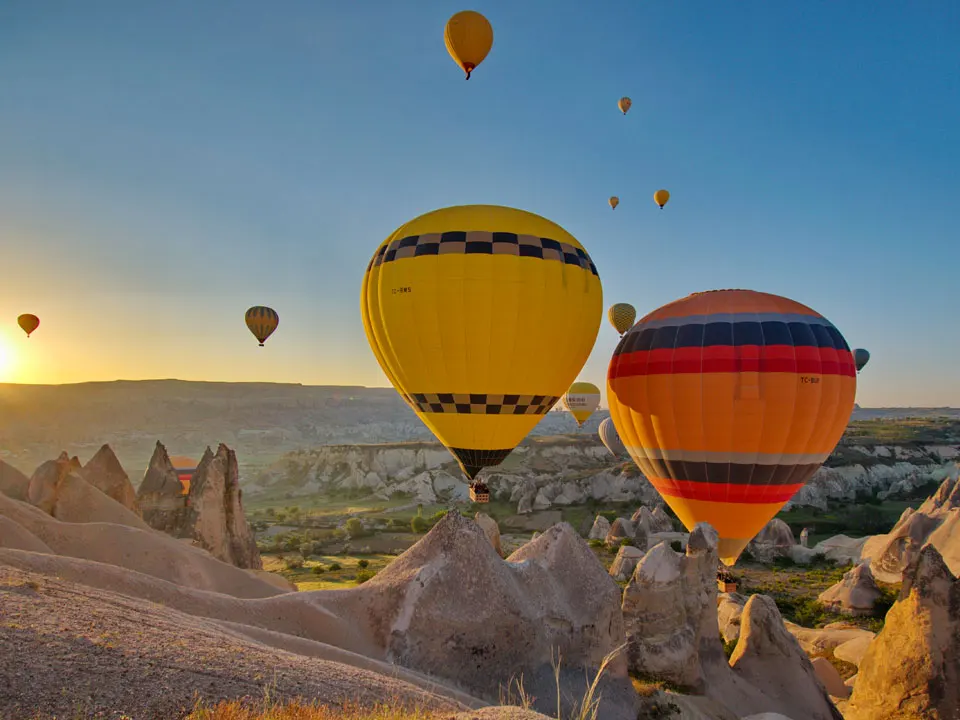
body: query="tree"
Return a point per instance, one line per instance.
(419, 524)
(354, 528)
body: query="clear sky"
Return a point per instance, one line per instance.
(163, 166)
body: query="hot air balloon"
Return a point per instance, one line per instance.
(611, 439)
(581, 400)
(860, 358)
(463, 308)
(185, 468)
(28, 323)
(729, 401)
(622, 316)
(661, 197)
(624, 104)
(468, 37)
(262, 321)
(614, 201)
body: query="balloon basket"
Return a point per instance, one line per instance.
(726, 587)
(479, 493)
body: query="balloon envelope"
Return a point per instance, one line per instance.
(622, 316)
(262, 321)
(611, 439)
(185, 468)
(729, 401)
(861, 357)
(624, 104)
(614, 201)
(463, 308)
(28, 323)
(581, 400)
(468, 37)
(661, 197)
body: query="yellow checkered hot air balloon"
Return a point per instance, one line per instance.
(481, 316)
(622, 316)
(262, 321)
(729, 401)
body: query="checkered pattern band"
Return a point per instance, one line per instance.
(482, 404)
(481, 242)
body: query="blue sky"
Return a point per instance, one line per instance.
(163, 166)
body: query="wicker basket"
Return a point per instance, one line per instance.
(726, 587)
(479, 494)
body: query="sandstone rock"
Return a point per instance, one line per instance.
(662, 522)
(945, 499)
(16, 537)
(852, 651)
(729, 612)
(890, 554)
(841, 549)
(600, 529)
(160, 495)
(772, 660)
(508, 618)
(214, 516)
(491, 530)
(830, 679)
(946, 539)
(541, 501)
(816, 641)
(57, 488)
(775, 540)
(525, 505)
(619, 530)
(912, 669)
(625, 562)
(13, 483)
(855, 593)
(105, 473)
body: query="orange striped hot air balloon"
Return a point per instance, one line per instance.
(729, 401)
(185, 468)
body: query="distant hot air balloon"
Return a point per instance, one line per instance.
(28, 323)
(624, 104)
(262, 321)
(468, 37)
(581, 400)
(729, 401)
(611, 439)
(660, 197)
(614, 201)
(622, 316)
(861, 357)
(463, 308)
(185, 468)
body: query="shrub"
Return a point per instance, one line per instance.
(335, 566)
(306, 549)
(438, 516)
(364, 575)
(294, 563)
(354, 528)
(784, 562)
(625, 541)
(419, 524)
(318, 570)
(594, 543)
(728, 646)
(363, 563)
(271, 512)
(809, 613)
(888, 596)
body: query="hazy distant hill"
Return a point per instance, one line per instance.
(260, 420)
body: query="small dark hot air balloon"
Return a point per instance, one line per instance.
(28, 323)
(861, 357)
(262, 321)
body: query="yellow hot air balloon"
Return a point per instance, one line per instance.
(481, 316)
(581, 400)
(28, 323)
(729, 401)
(614, 201)
(262, 321)
(468, 37)
(624, 104)
(660, 197)
(622, 316)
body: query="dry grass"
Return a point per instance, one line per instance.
(300, 710)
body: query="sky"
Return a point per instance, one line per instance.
(164, 166)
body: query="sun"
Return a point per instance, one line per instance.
(7, 360)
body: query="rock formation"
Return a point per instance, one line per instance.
(160, 494)
(625, 562)
(214, 516)
(729, 611)
(620, 529)
(13, 483)
(58, 488)
(829, 678)
(662, 522)
(855, 593)
(211, 515)
(600, 529)
(104, 472)
(491, 530)
(912, 669)
(772, 660)
(775, 540)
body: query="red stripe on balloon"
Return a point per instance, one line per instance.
(689, 490)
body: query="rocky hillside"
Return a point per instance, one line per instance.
(567, 470)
